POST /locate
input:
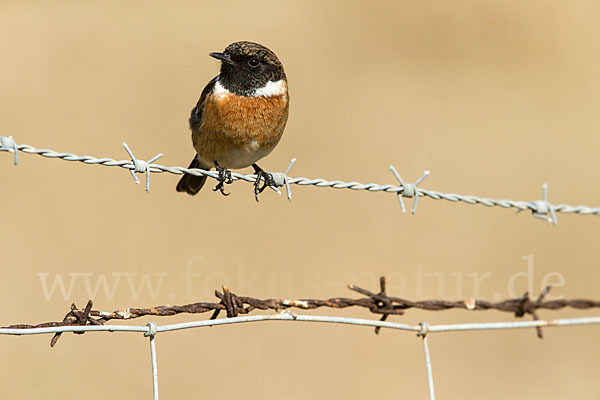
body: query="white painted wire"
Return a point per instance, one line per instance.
(540, 208)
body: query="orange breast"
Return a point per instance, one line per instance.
(239, 130)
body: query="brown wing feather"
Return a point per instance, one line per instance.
(192, 184)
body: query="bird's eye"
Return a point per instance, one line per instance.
(253, 63)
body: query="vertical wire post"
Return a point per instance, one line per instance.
(423, 334)
(152, 328)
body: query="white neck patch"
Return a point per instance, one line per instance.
(278, 88)
(272, 89)
(220, 90)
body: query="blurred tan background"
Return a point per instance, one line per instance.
(494, 97)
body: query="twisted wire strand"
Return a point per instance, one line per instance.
(538, 207)
(378, 303)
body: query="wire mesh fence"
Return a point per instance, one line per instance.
(236, 307)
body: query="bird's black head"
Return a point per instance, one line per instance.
(247, 66)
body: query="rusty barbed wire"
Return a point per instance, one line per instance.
(539, 208)
(377, 303)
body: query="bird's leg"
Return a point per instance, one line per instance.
(224, 177)
(261, 174)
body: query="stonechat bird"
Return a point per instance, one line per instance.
(240, 116)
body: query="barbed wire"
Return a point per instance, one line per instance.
(89, 320)
(377, 303)
(540, 208)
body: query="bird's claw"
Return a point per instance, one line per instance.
(268, 181)
(223, 178)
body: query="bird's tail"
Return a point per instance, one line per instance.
(191, 184)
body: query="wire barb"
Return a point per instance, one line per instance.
(543, 207)
(141, 166)
(409, 190)
(540, 208)
(382, 304)
(76, 317)
(8, 144)
(526, 306)
(281, 179)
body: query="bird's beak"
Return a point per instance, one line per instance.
(223, 57)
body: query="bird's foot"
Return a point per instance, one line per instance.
(223, 178)
(265, 176)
